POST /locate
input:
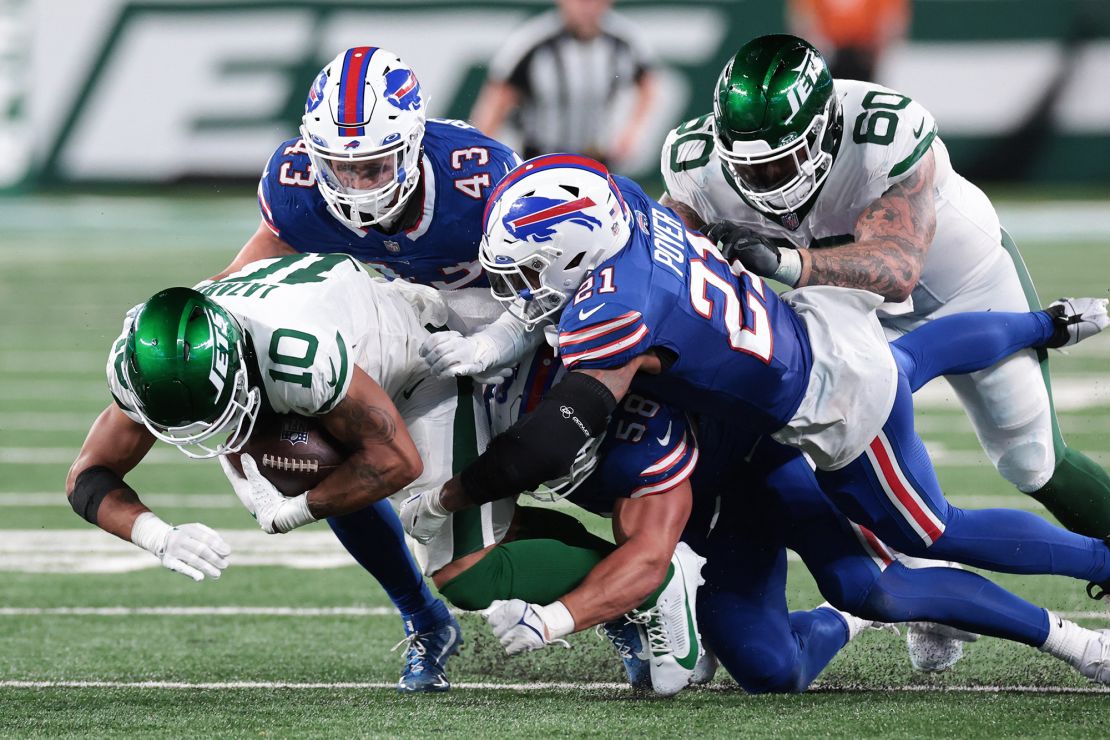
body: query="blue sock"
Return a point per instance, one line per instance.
(957, 598)
(374, 538)
(820, 634)
(966, 342)
(1010, 541)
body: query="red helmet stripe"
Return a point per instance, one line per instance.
(544, 162)
(553, 211)
(352, 89)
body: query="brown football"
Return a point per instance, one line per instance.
(293, 452)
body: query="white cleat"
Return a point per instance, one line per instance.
(1076, 319)
(671, 626)
(1085, 650)
(936, 647)
(705, 669)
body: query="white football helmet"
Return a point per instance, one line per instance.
(548, 224)
(363, 125)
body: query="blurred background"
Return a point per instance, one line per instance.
(102, 93)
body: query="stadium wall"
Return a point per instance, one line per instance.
(115, 91)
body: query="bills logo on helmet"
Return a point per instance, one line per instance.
(402, 89)
(353, 144)
(316, 93)
(535, 218)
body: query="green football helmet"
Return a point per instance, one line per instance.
(184, 364)
(777, 122)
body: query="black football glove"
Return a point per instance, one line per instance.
(738, 242)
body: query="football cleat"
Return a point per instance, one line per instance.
(1076, 319)
(631, 644)
(705, 669)
(426, 656)
(671, 626)
(936, 647)
(1085, 650)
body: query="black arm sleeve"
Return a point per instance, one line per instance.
(90, 488)
(541, 445)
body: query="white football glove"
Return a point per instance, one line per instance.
(276, 513)
(450, 354)
(522, 627)
(194, 550)
(422, 515)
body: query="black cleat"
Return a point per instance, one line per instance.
(1075, 319)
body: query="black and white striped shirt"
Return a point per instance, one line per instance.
(568, 86)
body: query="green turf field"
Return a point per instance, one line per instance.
(96, 639)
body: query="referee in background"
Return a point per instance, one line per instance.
(560, 76)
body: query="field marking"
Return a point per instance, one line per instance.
(282, 611)
(537, 686)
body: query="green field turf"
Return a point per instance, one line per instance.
(144, 651)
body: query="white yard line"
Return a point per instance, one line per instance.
(282, 611)
(538, 686)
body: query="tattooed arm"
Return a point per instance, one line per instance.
(688, 215)
(383, 460)
(893, 235)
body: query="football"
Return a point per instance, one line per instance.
(293, 452)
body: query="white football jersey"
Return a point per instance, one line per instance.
(310, 319)
(885, 135)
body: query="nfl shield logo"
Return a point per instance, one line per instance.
(392, 247)
(294, 431)
(790, 220)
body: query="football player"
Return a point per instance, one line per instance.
(307, 334)
(815, 181)
(370, 176)
(636, 296)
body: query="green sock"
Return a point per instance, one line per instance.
(537, 571)
(650, 600)
(1078, 494)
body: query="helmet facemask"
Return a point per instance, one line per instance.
(783, 179)
(552, 221)
(363, 127)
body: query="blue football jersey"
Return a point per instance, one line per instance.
(649, 449)
(732, 348)
(459, 168)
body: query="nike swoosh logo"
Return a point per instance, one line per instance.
(407, 393)
(666, 437)
(689, 660)
(583, 315)
(917, 131)
(334, 379)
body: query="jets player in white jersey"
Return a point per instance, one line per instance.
(815, 181)
(306, 334)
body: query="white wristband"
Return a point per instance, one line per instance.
(556, 617)
(150, 533)
(293, 513)
(790, 267)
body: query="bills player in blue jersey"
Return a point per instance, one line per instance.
(370, 176)
(741, 500)
(638, 297)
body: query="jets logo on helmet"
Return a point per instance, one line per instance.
(534, 219)
(548, 224)
(777, 125)
(364, 135)
(402, 89)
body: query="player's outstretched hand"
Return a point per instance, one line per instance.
(521, 627)
(422, 516)
(740, 244)
(195, 550)
(450, 354)
(276, 513)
